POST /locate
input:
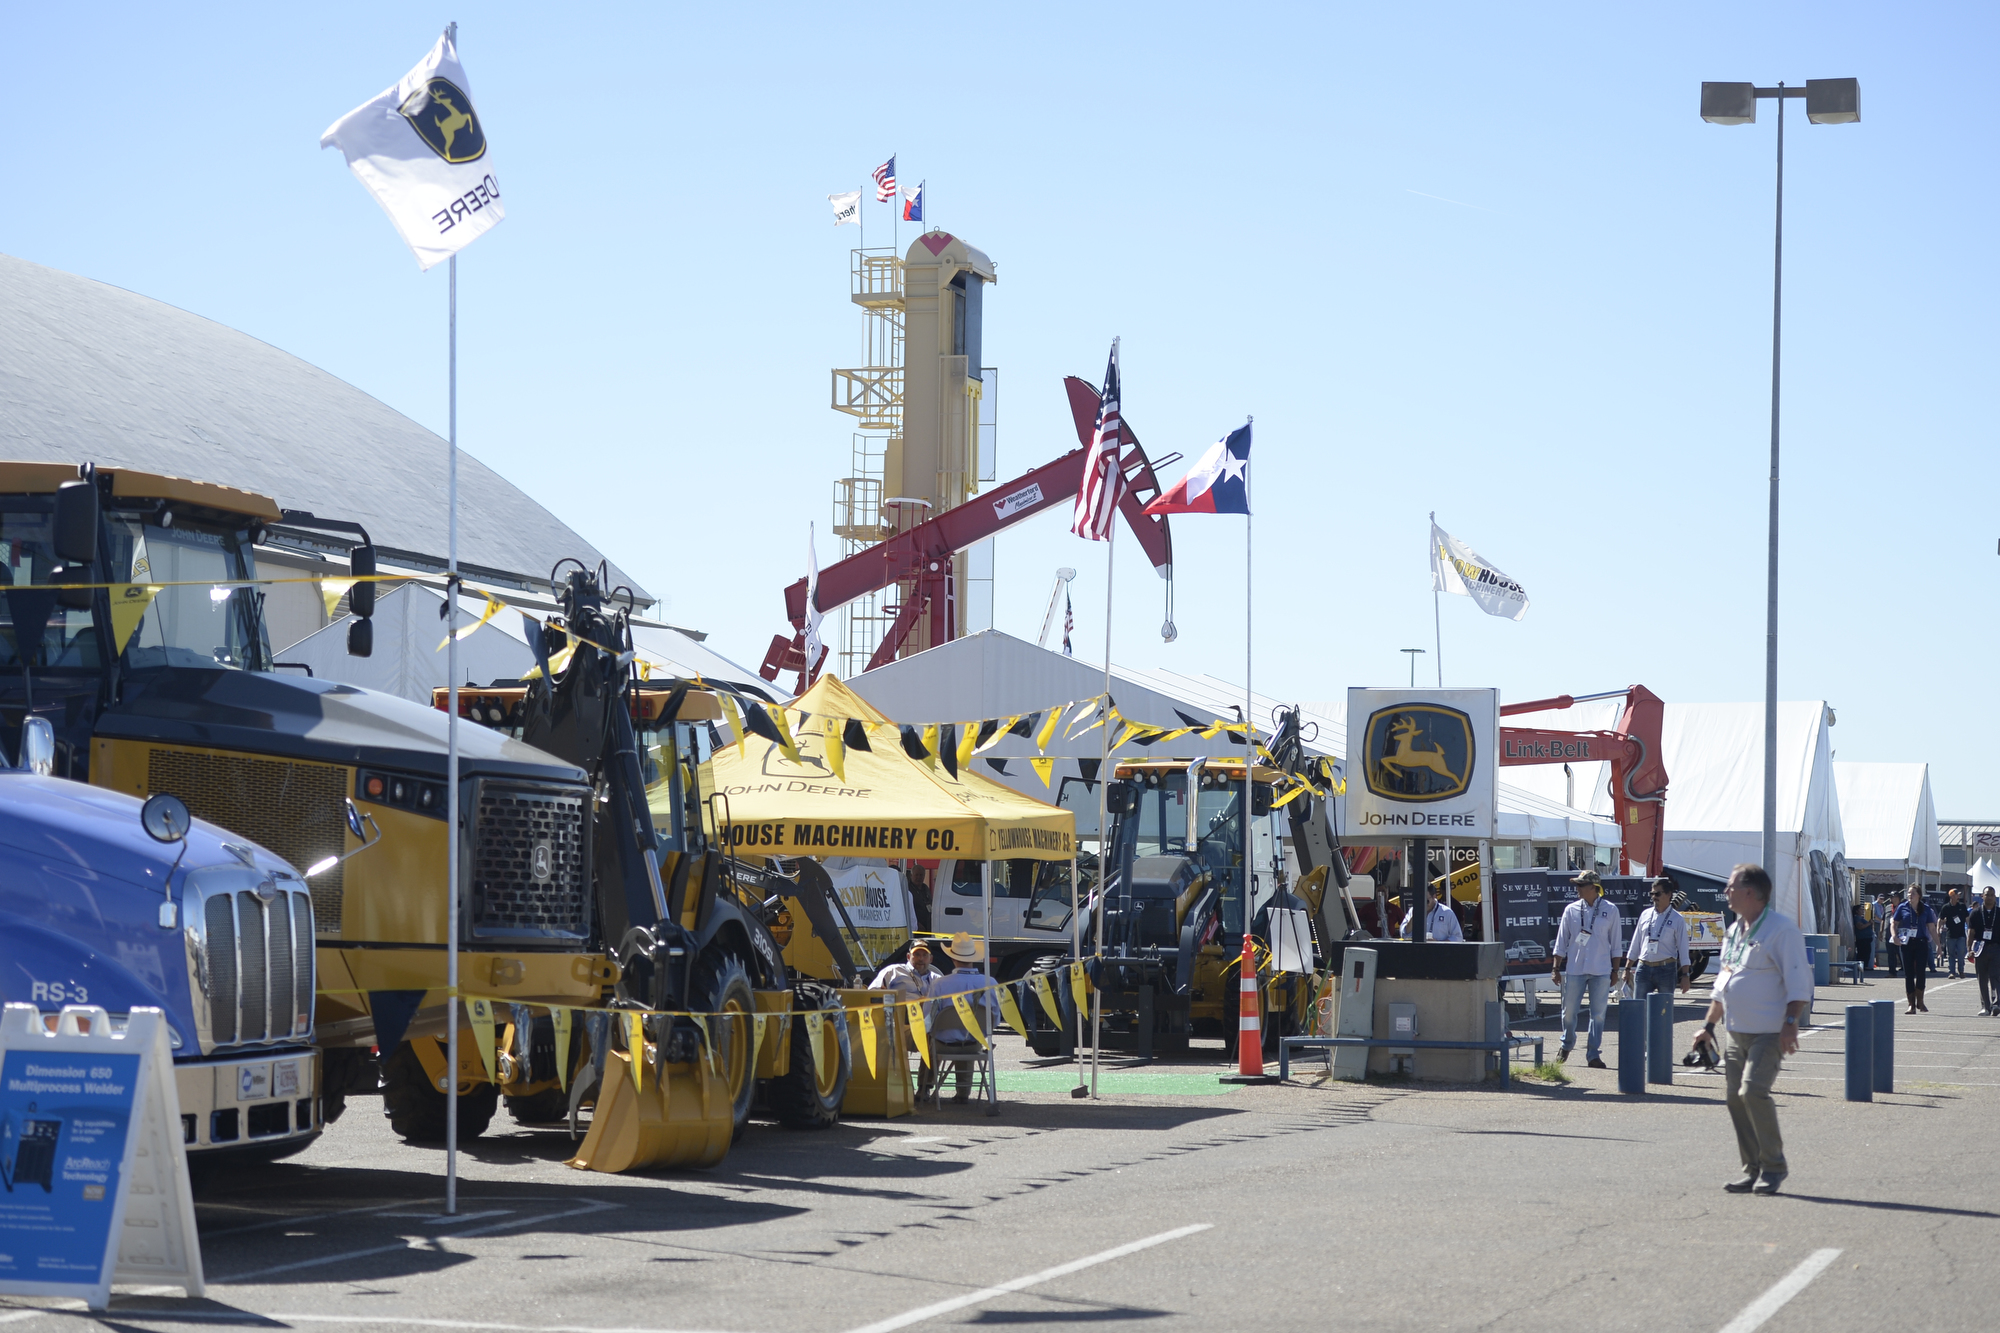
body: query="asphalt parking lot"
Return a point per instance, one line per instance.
(1171, 1203)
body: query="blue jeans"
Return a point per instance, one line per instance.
(1574, 988)
(1954, 954)
(1649, 979)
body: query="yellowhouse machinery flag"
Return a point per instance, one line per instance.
(421, 151)
(1456, 567)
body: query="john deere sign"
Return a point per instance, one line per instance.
(1425, 760)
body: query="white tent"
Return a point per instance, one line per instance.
(1886, 812)
(409, 660)
(994, 675)
(1715, 797)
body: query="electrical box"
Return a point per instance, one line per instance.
(1355, 1013)
(1402, 1023)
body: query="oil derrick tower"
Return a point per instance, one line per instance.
(926, 414)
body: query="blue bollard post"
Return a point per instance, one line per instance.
(1860, 1053)
(1632, 1047)
(1660, 1037)
(1885, 1044)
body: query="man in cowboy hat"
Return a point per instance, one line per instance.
(1586, 958)
(966, 954)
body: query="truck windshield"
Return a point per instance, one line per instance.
(199, 621)
(34, 630)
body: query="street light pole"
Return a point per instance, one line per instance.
(1828, 102)
(1413, 652)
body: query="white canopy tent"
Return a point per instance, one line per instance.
(1886, 812)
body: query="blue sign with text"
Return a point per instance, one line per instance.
(64, 1121)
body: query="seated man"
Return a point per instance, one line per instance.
(1440, 922)
(966, 954)
(911, 980)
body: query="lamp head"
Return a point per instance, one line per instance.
(1833, 101)
(1729, 103)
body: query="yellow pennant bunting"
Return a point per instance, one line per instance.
(1011, 1011)
(930, 739)
(968, 732)
(816, 1038)
(920, 1034)
(1044, 768)
(868, 1038)
(492, 610)
(836, 750)
(735, 720)
(1173, 735)
(1047, 995)
(1131, 729)
(1048, 732)
(1079, 986)
(635, 1046)
(481, 1012)
(965, 1016)
(330, 592)
(994, 739)
(128, 607)
(708, 1039)
(557, 663)
(560, 1019)
(1290, 796)
(756, 1042)
(785, 742)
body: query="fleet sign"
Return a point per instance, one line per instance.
(1420, 763)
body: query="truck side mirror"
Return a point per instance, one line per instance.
(361, 638)
(361, 597)
(1260, 799)
(38, 746)
(165, 817)
(1121, 798)
(76, 522)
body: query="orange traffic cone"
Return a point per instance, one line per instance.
(1249, 1023)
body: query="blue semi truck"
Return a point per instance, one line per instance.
(113, 903)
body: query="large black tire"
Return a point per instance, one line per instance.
(800, 1099)
(416, 1109)
(550, 1106)
(722, 986)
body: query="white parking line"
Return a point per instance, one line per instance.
(1033, 1279)
(1772, 1301)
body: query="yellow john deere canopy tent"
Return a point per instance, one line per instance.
(877, 802)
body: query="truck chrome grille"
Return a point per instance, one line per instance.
(254, 963)
(530, 863)
(294, 809)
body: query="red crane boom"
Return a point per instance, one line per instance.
(919, 560)
(1638, 769)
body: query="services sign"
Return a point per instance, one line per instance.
(1421, 763)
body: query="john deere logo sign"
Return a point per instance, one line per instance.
(443, 117)
(1419, 752)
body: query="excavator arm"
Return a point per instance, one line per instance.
(920, 559)
(1633, 749)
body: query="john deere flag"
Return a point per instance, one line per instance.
(1456, 567)
(421, 151)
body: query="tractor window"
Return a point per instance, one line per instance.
(196, 619)
(1049, 909)
(56, 637)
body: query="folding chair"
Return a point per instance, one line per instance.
(965, 1061)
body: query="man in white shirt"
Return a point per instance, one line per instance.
(1586, 953)
(1764, 988)
(1658, 956)
(1440, 922)
(911, 980)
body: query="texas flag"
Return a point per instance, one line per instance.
(1219, 483)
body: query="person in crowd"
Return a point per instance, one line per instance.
(1586, 952)
(1763, 989)
(1951, 921)
(965, 978)
(1864, 934)
(1913, 931)
(911, 980)
(1440, 922)
(1984, 926)
(1658, 955)
(1885, 909)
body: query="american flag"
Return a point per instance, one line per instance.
(1069, 623)
(1103, 481)
(885, 181)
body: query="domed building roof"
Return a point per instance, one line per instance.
(94, 373)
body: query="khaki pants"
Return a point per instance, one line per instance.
(1750, 1067)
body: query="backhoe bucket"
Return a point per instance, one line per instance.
(682, 1119)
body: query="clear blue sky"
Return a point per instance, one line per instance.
(1484, 260)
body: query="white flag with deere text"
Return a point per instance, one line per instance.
(846, 208)
(421, 151)
(1456, 567)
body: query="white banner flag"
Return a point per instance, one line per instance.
(1456, 567)
(813, 644)
(421, 151)
(846, 208)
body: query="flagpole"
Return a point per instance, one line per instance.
(451, 771)
(1437, 620)
(1103, 790)
(1249, 728)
